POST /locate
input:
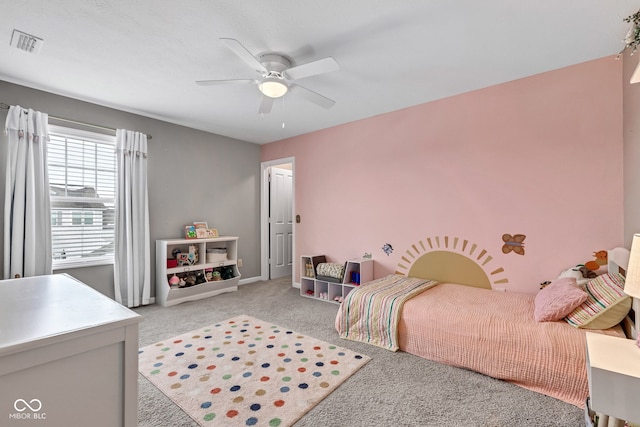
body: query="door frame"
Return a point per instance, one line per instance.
(264, 217)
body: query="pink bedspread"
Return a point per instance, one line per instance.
(494, 333)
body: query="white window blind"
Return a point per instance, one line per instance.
(82, 176)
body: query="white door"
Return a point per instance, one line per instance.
(280, 223)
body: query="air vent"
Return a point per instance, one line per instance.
(26, 42)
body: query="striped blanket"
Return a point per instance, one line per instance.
(371, 312)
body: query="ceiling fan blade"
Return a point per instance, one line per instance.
(312, 96)
(224, 82)
(266, 105)
(313, 68)
(244, 54)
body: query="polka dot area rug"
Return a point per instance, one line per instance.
(246, 372)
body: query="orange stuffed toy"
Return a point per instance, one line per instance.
(601, 259)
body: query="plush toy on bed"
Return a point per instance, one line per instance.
(580, 273)
(601, 259)
(585, 272)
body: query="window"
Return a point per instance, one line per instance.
(82, 183)
(56, 217)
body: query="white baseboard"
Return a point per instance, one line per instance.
(258, 279)
(249, 280)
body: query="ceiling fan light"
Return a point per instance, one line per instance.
(273, 87)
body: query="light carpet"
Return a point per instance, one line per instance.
(247, 372)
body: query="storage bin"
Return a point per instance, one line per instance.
(216, 255)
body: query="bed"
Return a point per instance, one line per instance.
(490, 332)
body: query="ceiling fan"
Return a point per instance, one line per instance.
(277, 75)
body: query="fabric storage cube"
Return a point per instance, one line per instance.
(216, 255)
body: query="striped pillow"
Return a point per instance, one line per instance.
(606, 305)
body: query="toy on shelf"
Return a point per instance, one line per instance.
(190, 279)
(190, 258)
(355, 277)
(309, 270)
(190, 232)
(174, 281)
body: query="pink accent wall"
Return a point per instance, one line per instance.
(540, 156)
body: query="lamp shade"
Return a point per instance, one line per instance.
(273, 87)
(632, 281)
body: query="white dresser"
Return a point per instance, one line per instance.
(68, 355)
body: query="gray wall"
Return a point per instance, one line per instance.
(193, 176)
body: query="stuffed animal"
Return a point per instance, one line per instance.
(586, 272)
(577, 273)
(200, 278)
(190, 280)
(174, 281)
(227, 273)
(601, 260)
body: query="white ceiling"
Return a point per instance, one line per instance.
(143, 56)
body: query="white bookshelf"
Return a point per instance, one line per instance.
(167, 295)
(329, 291)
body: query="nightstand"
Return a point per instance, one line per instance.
(613, 366)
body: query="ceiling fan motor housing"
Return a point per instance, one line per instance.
(274, 63)
(273, 83)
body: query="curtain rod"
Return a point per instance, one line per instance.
(4, 106)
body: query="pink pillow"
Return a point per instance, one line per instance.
(558, 299)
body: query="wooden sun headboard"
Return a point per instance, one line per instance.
(618, 259)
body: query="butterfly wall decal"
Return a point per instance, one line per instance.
(513, 243)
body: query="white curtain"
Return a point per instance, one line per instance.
(27, 202)
(132, 268)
